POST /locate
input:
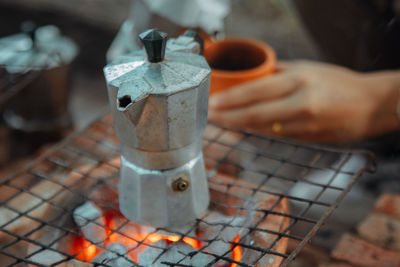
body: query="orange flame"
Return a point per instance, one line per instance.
(154, 237)
(86, 251)
(237, 252)
(91, 251)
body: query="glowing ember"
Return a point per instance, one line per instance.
(87, 252)
(153, 238)
(91, 251)
(237, 252)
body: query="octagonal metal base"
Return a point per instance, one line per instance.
(167, 199)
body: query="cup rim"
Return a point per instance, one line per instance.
(267, 66)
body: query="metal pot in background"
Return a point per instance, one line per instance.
(34, 100)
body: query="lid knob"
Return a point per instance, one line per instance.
(154, 42)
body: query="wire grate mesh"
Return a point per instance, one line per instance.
(293, 186)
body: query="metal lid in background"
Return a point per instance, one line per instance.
(39, 49)
(39, 57)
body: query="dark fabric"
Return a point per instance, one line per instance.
(361, 34)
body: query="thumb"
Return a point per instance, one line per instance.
(283, 65)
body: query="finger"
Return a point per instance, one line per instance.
(265, 89)
(292, 128)
(259, 115)
(283, 65)
(307, 131)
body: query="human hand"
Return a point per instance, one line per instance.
(315, 102)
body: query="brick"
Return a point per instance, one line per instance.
(388, 204)
(361, 253)
(381, 230)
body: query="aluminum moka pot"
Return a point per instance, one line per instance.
(159, 102)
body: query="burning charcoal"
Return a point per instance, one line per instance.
(148, 257)
(188, 230)
(90, 220)
(215, 222)
(224, 230)
(174, 253)
(220, 248)
(114, 255)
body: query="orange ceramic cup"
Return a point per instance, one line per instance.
(235, 61)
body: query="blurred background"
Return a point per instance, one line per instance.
(288, 26)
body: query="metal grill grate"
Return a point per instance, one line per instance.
(40, 200)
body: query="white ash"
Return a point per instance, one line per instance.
(114, 255)
(186, 230)
(47, 257)
(222, 230)
(90, 220)
(175, 252)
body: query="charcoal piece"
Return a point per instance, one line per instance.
(91, 222)
(223, 230)
(47, 257)
(161, 254)
(114, 255)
